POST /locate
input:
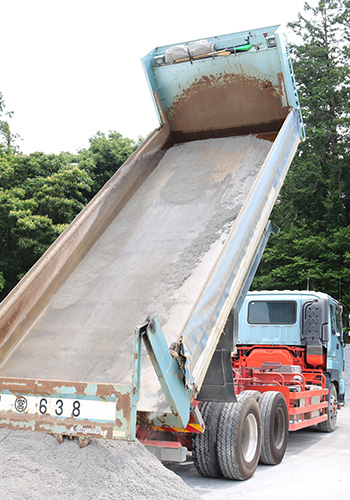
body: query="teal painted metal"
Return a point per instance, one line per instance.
(267, 65)
(287, 59)
(270, 334)
(169, 374)
(335, 345)
(78, 409)
(226, 282)
(66, 408)
(222, 41)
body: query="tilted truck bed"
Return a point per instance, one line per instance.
(173, 235)
(153, 259)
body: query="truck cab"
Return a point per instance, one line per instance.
(302, 319)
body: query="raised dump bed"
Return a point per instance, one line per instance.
(164, 250)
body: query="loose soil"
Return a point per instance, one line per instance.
(36, 467)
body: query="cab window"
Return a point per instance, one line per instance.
(337, 326)
(272, 312)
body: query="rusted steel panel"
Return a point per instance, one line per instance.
(67, 408)
(208, 104)
(226, 92)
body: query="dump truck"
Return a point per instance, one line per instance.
(126, 324)
(290, 356)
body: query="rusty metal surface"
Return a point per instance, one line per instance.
(66, 408)
(229, 104)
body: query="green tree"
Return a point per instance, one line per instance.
(39, 196)
(314, 213)
(108, 153)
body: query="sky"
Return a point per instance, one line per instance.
(70, 68)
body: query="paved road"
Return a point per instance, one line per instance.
(315, 466)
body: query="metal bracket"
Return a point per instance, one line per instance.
(168, 372)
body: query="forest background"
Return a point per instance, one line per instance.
(41, 194)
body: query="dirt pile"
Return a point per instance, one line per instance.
(36, 467)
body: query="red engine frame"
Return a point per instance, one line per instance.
(284, 369)
(261, 368)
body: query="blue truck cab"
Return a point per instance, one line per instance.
(307, 319)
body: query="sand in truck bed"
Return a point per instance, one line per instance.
(153, 259)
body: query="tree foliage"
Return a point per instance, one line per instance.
(314, 213)
(108, 153)
(41, 194)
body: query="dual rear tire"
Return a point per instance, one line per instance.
(238, 435)
(204, 446)
(239, 439)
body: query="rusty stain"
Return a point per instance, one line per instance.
(84, 441)
(69, 427)
(41, 387)
(118, 422)
(280, 83)
(108, 391)
(268, 136)
(53, 387)
(53, 425)
(228, 103)
(24, 386)
(124, 405)
(59, 438)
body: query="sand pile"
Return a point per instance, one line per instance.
(36, 467)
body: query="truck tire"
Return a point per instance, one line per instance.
(239, 438)
(246, 394)
(275, 427)
(329, 424)
(204, 447)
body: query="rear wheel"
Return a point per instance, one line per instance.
(275, 425)
(332, 410)
(204, 445)
(239, 438)
(246, 394)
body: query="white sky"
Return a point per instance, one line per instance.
(72, 67)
